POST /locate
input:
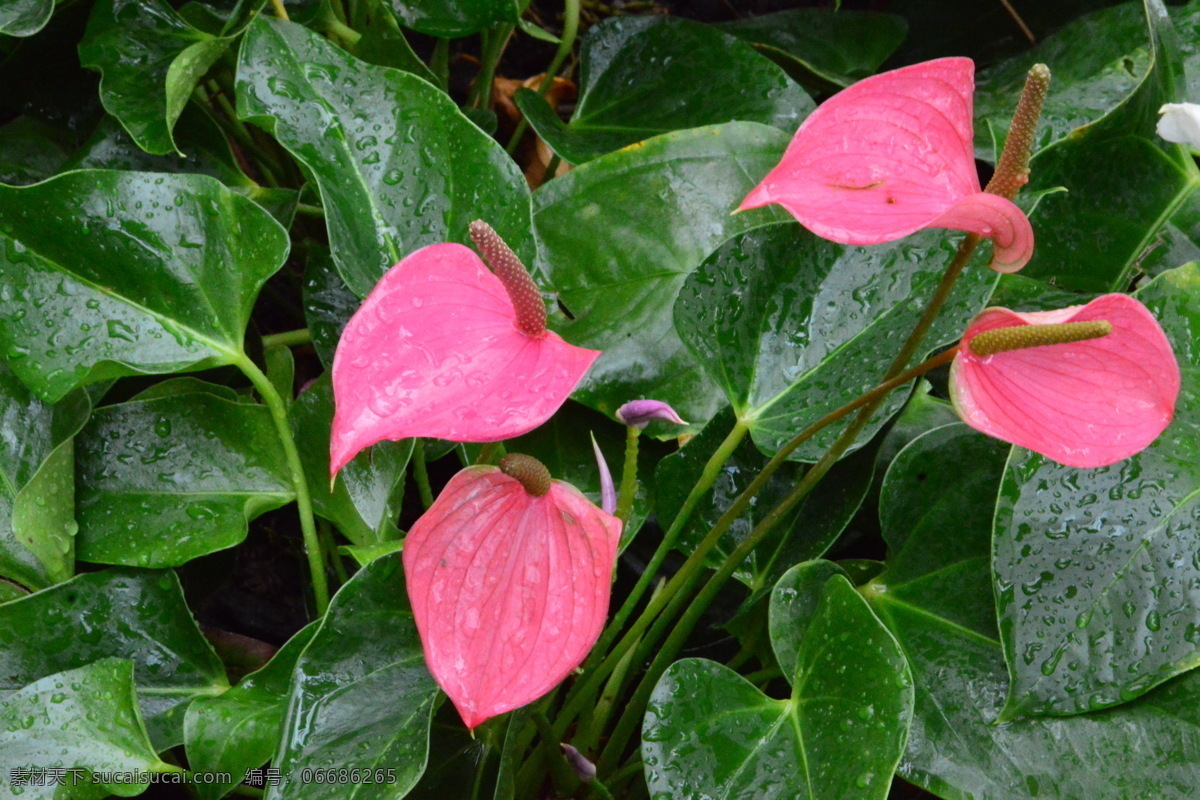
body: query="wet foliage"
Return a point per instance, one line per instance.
(195, 198)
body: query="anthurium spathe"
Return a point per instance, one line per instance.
(444, 348)
(891, 155)
(1085, 386)
(509, 575)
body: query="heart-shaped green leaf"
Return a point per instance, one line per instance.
(1090, 237)
(238, 730)
(619, 236)
(328, 304)
(140, 616)
(104, 274)
(37, 483)
(398, 166)
(823, 47)
(84, 722)
(32, 150)
(166, 480)
(936, 598)
(151, 59)
(361, 697)
(792, 326)
(365, 500)
(1092, 580)
(644, 76)
(454, 18)
(710, 733)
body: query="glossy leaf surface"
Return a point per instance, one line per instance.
(238, 730)
(823, 46)
(139, 616)
(166, 480)
(936, 598)
(618, 273)
(1092, 590)
(638, 80)
(37, 493)
(151, 59)
(509, 588)
(85, 296)
(365, 500)
(398, 166)
(24, 17)
(710, 733)
(815, 324)
(454, 18)
(360, 695)
(437, 350)
(84, 719)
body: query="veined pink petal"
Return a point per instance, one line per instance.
(1083, 404)
(996, 218)
(509, 591)
(891, 155)
(434, 351)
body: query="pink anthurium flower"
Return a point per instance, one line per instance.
(891, 155)
(509, 575)
(444, 348)
(1086, 385)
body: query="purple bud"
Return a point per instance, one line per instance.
(584, 770)
(608, 493)
(639, 413)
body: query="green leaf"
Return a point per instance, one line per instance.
(806, 532)
(792, 326)
(365, 500)
(204, 150)
(823, 47)
(37, 483)
(281, 372)
(85, 289)
(141, 616)
(150, 59)
(167, 480)
(366, 553)
(1091, 568)
(83, 719)
(1089, 238)
(398, 166)
(328, 304)
(936, 597)
(643, 76)
(24, 17)
(710, 733)
(619, 236)
(237, 731)
(1087, 82)
(922, 413)
(31, 150)
(564, 445)
(454, 18)
(384, 44)
(361, 697)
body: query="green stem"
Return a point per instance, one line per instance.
(866, 405)
(421, 473)
(306, 210)
(629, 480)
(338, 28)
(280, 11)
(308, 527)
(487, 453)
(565, 43)
(561, 771)
(551, 168)
(330, 547)
(493, 43)
(287, 339)
(439, 64)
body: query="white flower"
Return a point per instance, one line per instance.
(1180, 122)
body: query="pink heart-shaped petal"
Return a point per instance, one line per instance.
(891, 155)
(1083, 404)
(509, 591)
(434, 351)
